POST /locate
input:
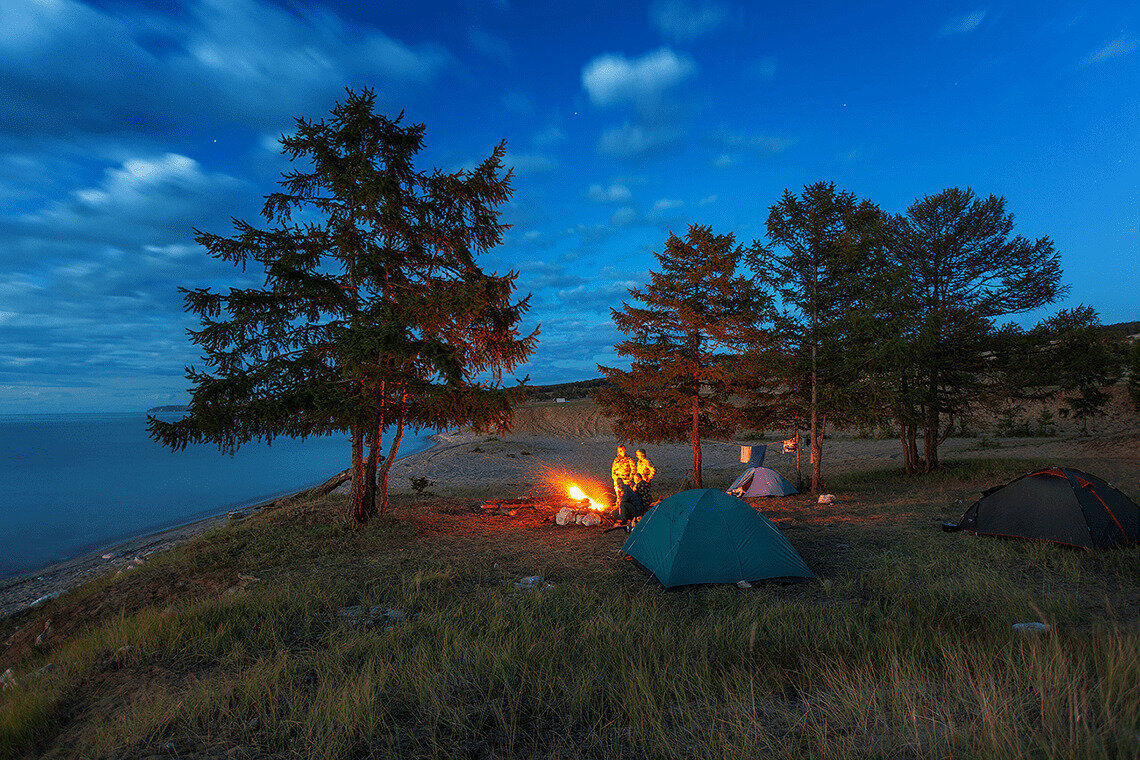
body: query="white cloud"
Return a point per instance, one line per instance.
(644, 82)
(707, 200)
(528, 163)
(551, 135)
(731, 144)
(1122, 45)
(962, 24)
(489, 45)
(667, 204)
(686, 20)
(615, 193)
(724, 161)
(636, 142)
(623, 216)
(82, 70)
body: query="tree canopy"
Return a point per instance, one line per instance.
(374, 311)
(688, 344)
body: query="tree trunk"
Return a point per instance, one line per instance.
(359, 515)
(908, 462)
(392, 453)
(696, 442)
(930, 441)
(912, 445)
(799, 473)
(374, 440)
(816, 443)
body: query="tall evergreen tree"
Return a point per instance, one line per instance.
(826, 259)
(962, 269)
(689, 346)
(374, 312)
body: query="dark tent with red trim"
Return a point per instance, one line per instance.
(1057, 504)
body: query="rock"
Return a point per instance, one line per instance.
(564, 516)
(43, 599)
(1031, 629)
(138, 560)
(591, 519)
(531, 581)
(826, 498)
(43, 637)
(110, 555)
(743, 584)
(7, 679)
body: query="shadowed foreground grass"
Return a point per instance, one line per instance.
(904, 648)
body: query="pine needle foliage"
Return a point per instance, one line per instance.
(826, 259)
(688, 344)
(374, 311)
(963, 268)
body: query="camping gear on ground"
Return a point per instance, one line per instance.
(1056, 504)
(761, 481)
(707, 536)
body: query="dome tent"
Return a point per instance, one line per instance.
(1057, 504)
(761, 481)
(707, 536)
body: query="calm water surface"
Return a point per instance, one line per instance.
(73, 483)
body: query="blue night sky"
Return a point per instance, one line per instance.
(125, 124)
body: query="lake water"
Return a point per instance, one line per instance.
(74, 483)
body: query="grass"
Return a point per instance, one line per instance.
(904, 647)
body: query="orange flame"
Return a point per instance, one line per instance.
(578, 494)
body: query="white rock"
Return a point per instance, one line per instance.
(1031, 628)
(565, 515)
(743, 584)
(44, 598)
(591, 519)
(531, 581)
(826, 498)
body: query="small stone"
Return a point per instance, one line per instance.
(1031, 629)
(531, 581)
(110, 555)
(743, 584)
(826, 498)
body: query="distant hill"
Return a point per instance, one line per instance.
(1122, 328)
(576, 389)
(174, 408)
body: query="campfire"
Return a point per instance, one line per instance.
(574, 499)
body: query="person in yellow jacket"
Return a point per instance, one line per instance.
(622, 472)
(646, 470)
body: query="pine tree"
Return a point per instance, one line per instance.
(961, 270)
(689, 346)
(374, 312)
(826, 259)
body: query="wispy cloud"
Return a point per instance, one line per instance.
(1121, 46)
(962, 24)
(686, 20)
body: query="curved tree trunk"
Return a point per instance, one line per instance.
(392, 454)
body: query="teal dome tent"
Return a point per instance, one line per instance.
(707, 536)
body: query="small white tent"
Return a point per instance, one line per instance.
(761, 481)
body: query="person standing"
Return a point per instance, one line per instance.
(646, 470)
(622, 472)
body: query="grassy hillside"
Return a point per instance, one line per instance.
(291, 636)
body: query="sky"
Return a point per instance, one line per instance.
(125, 125)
